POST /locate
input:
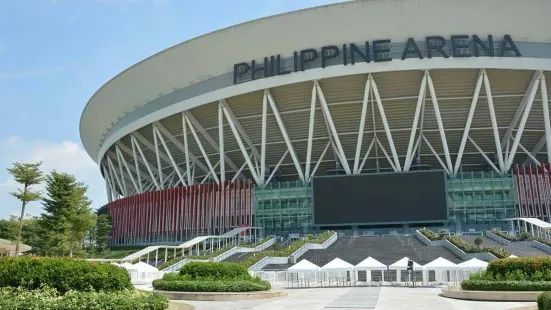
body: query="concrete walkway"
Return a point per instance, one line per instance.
(368, 298)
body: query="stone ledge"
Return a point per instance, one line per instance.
(215, 296)
(457, 293)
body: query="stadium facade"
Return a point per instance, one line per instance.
(397, 114)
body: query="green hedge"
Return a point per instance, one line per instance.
(212, 286)
(214, 271)
(256, 257)
(544, 301)
(206, 256)
(63, 274)
(544, 241)
(484, 285)
(468, 248)
(50, 299)
(432, 236)
(530, 266)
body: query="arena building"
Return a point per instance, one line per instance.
(368, 116)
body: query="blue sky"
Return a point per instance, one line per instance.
(54, 54)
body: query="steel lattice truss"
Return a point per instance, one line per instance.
(460, 119)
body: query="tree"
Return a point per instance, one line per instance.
(478, 241)
(101, 232)
(68, 215)
(26, 175)
(9, 228)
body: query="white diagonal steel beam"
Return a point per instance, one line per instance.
(440, 123)
(180, 146)
(386, 155)
(435, 154)
(237, 137)
(136, 145)
(285, 134)
(520, 108)
(137, 159)
(311, 131)
(229, 114)
(483, 155)
(167, 150)
(397, 166)
(221, 143)
(493, 119)
(186, 151)
(108, 180)
(366, 155)
(537, 148)
(277, 166)
(121, 173)
(120, 157)
(208, 174)
(209, 138)
(113, 173)
(158, 156)
(362, 125)
(263, 142)
(532, 157)
(470, 117)
(523, 120)
(332, 128)
(201, 148)
(240, 169)
(420, 98)
(319, 161)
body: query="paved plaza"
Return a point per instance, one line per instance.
(366, 298)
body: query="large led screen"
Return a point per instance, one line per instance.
(380, 198)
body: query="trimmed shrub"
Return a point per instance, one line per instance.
(206, 256)
(530, 266)
(214, 271)
(544, 301)
(467, 248)
(50, 299)
(484, 285)
(525, 236)
(63, 274)
(504, 235)
(544, 241)
(429, 234)
(212, 286)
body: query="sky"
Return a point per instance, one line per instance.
(54, 54)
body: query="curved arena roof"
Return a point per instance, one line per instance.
(133, 126)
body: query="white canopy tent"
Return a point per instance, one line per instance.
(512, 256)
(338, 269)
(470, 266)
(402, 265)
(142, 273)
(442, 268)
(368, 265)
(305, 271)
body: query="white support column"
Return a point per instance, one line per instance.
(365, 103)
(469, 122)
(435, 154)
(111, 189)
(332, 128)
(201, 148)
(137, 164)
(120, 158)
(121, 173)
(546, 121)
(137, 146)
(520, 108)
(239, 141)
(174, 165)
(277, 167)
(263, 143)
(523, 120)
(537, 148)
(420, 98)
(483, 155)
(111, 169)
(440, 123)
(285, 134)
(319, 161)
(397, 166)
(494, 121)
(158, 156)
(186, 151)
(311, 131)
(221, 143)
(197, 125)
(386, 155)
(366, 155)
(533, 158)
(208, 174)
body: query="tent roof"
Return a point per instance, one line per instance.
(440, 264)
(7, 245)
(403, 265)
(304, 265)
(143, 267)
(473, 263)
(512, 256)
(337, 263)
(371, 263)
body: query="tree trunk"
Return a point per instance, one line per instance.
(20, 224)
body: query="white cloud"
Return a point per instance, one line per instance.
(65, 156)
